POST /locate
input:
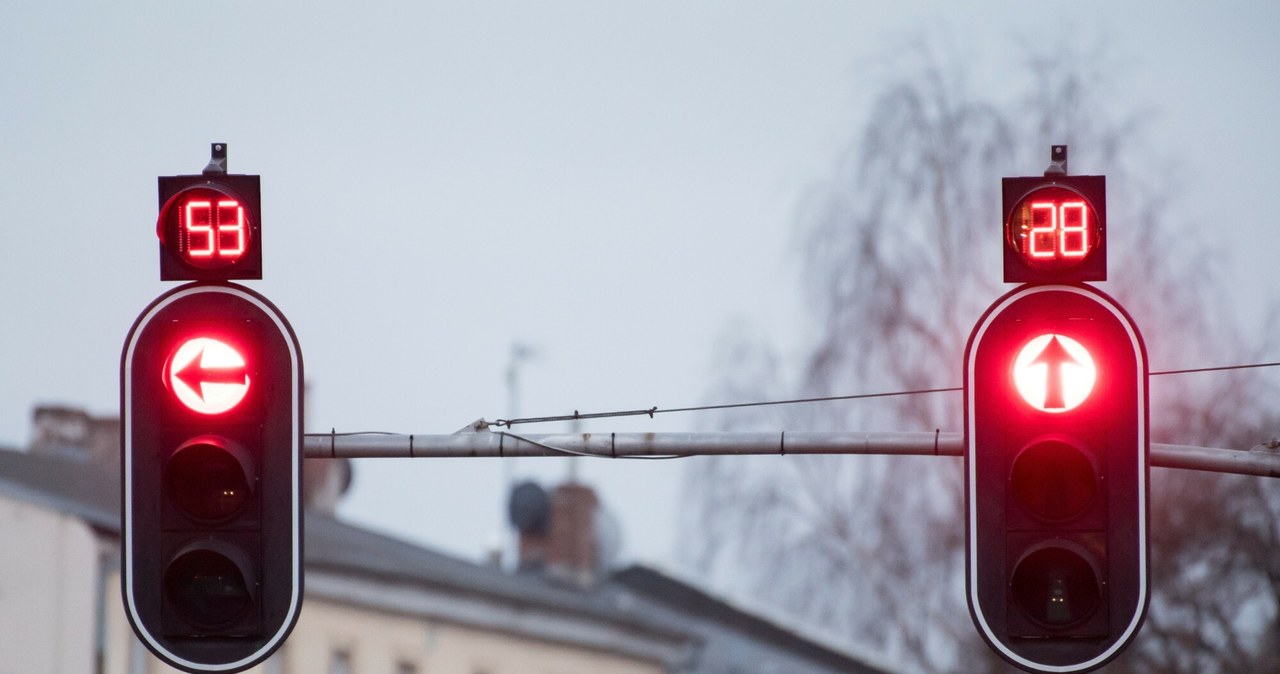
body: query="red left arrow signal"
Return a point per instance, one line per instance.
(195, 373)
(208, 375)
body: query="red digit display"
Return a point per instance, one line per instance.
(1053, 228)
(206, 228)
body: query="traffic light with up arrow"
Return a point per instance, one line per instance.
(1056, 477)
(1056, 446)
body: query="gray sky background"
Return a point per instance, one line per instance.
(609, 183)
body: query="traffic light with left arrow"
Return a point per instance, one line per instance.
(211, 439)
(211, 391)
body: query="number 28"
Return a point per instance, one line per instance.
(1059, 230)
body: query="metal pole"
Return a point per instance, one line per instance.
(621, 445)
(1214, 459)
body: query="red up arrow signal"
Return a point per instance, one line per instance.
(1054, 373)
(1054, 357)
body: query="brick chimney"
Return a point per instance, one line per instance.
(558, 531)
(573, 552)
(73, 433)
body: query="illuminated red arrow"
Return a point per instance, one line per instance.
(195, 374)
(1054, 356)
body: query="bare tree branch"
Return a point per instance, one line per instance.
(899, 260)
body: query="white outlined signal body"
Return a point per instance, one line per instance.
(204, 359)
(1005, 417)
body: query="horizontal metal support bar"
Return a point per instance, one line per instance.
(652, 445)
(1217, 460)
(619, 445)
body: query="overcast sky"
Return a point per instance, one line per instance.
(609, 183)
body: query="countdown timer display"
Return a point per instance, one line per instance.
(1053, 228)
(206, 228)
(209, 228)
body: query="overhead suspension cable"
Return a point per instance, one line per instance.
(652, 411)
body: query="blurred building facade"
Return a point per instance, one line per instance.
(373, 604)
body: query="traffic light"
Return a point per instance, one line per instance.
(1055, 389)
(210, 225)
(211, 436)
(1055, 226)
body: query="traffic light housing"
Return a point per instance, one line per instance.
(211, 437)
(1056, 447)
(210, 225)
(1055, 226)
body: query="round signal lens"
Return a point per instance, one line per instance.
(1053, 481)
(1053, 228)
(206, 228)
(209, 478)
(1054, 373)
(207, 375)
(1056, 586)
(207, 584)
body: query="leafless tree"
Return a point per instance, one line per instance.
(900, 257)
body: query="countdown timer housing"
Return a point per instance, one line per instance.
(210, 228)
(1055, 229)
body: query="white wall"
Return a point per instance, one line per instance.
(48, 591)
(380, 642)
